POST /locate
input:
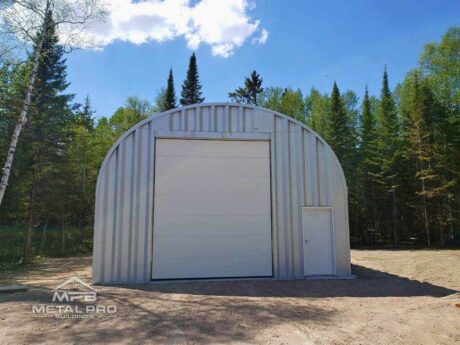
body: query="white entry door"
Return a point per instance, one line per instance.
(318, 241)
(212, 213)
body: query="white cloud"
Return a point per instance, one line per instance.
(222, 24)
(262, 37)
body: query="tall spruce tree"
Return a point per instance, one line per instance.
(341, 117)
(367, 121)
(191, 88)
(47, 134)
(338, 132)
(249, 93)
(366, 153)
(170, 93)
(85, 114)
(387, 147)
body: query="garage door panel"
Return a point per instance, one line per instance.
(213, 166)
(209, 185)
(210, 246)
(212, 211)
(210, 148)
(211, 205)
(208, 225)
(231, 266)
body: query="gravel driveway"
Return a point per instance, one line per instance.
(400, 297)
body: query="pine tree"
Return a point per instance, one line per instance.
(81, 167)
(387, 147)
(85, 115)
(367, 121)
(170, 94)
(387, 113)
(191, 88)
(250, 91)
(338, 132)
(366, 168)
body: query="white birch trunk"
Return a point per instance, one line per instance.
(21, 121)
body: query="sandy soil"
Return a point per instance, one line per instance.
(400, 297)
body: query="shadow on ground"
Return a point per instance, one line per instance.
(369, 283)
(145, 316)
(208, 312)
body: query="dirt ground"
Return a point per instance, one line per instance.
(399, 297)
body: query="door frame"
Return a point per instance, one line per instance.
(216, 136)
(334, 263)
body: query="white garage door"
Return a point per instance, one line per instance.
(211, 209)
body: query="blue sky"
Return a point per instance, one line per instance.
(309, 44)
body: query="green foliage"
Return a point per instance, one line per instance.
(387, 137)
(85, 114)
(440, 65)
(133, 112)
(366, 194)
(399, 151)
(46, 241)
(439, 62)
(191, 88)
(367, 121)
(249, 93)
(159, 101)
(387, 116)
(170, 94)
(387, 148)
(289, 102)
(166, 97)
(270, 98)
(60, 150)
(340, 134)
(338, 131)
(292, 104)
(317, 107)
(65, 203)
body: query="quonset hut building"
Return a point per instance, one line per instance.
(216, 191)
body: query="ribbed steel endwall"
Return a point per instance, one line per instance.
(304, 172)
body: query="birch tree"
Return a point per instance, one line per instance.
(26, 20)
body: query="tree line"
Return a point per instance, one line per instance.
(399, 150)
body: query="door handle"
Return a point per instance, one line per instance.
(306, 241)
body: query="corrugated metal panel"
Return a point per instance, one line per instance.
(304, 172)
